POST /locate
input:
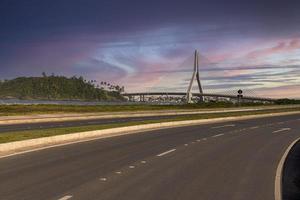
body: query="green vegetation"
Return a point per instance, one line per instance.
(48, 109)
(59, 88)
(23, 135)
(287, 101)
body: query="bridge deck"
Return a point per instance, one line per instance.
(196, 94)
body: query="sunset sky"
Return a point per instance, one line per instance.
(148, 45)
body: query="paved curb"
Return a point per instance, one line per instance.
(279, 171)
(12, 148)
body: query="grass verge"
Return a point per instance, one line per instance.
(7, 110)
(31, 134)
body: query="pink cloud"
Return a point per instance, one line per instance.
(290, 91)
(281, 47)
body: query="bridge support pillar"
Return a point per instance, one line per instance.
(197, 76)
(142, 98)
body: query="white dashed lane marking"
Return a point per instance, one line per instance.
(166, 152)
(143, 161)
(103, 179)
(281, 130)
(131, 167)
(66, 197)
(228, 125)
(218, 135)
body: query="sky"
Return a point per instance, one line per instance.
(148, 45)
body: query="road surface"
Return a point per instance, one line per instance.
(74, 123)
(232, 160)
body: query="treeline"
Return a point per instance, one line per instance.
(287, 101)
(59, 88)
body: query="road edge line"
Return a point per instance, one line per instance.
(279, 171)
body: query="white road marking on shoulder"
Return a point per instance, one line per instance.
(66, 197)
(218, 135)
(278, 176)
(103, 179)
(167, 152)
(280, 130)
(228, 125)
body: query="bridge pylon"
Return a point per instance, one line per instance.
(197, 77)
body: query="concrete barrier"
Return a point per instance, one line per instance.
(7, 149)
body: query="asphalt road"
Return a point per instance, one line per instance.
(233, 160)
(74, 123)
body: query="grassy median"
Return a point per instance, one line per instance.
(7, 110)
(31, 134)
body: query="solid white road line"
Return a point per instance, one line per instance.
(164, 153)
(217, 135)
(228, 125)
(278, 176)
(66, 197)
(280, 130)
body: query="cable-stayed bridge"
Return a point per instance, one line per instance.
(201, 95)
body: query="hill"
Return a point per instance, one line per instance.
(59, 88)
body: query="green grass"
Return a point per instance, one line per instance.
(7, 110)
(23, 135)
